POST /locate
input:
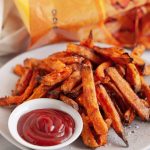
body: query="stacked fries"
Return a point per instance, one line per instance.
(105, 85)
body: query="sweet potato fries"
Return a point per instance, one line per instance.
(106, 86)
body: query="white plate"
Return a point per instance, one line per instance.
(138, 140)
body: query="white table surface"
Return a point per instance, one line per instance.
(4, 144)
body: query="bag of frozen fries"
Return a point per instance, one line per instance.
(119, 22)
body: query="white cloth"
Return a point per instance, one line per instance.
(14, 37)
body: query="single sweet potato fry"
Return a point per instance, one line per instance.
(69, 101)
(87, 136)
(138, 50)
(71, 82)
(90, 100)
(32, 85)
(100, 70)
(84, 52)
(23, 82)
(111, 112)
(133, 77)
(10, 100)
(131, 98)
(116, 55)
(56, 77)
(19, 70)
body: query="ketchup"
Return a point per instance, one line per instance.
(46, 127)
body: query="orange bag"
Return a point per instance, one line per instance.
(50, 21)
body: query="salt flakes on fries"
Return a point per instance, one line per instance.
(106, 86)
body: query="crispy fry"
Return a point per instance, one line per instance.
(111, 112)
(71, 82)
(100, 74)
(84, 52)
(56, 77)
(138, 50)
(90, 100)
(129, 95)
(133, 77)
(69, 101)
(146, 70)
(19, 70)
(19, 99)
(87, 136)
(33, 83)
(115, 55)
(23, 82)
(11, 100)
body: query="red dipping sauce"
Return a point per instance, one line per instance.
(46, 127)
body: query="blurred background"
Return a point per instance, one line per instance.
(28, 24)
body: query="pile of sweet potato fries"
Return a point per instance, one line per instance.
(106, 86)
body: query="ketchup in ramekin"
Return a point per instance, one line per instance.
(46, 127)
